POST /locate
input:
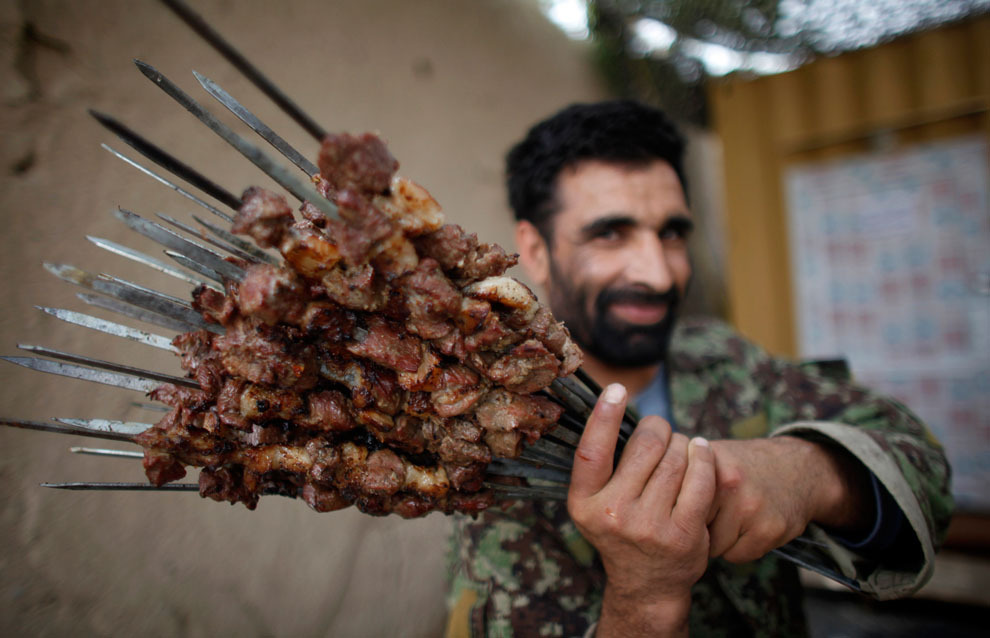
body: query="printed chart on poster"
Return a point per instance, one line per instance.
(890, 257)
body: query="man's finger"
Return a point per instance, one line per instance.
(595, 451)
(660, 492)
(747, 548)
(643, 452)
(698, 488)
(723, 532)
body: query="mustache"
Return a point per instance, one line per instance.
(636, 295)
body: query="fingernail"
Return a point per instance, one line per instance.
(614, 393)
(700, 441)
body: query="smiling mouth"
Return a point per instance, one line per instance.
(639, 313)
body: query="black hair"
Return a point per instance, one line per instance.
(621, 131)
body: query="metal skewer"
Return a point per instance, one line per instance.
(158, 304)
(126, 381)
(129, 428)
(110, 366)
(234, 240)
(111, 328)
(250, 71)
(631, 416)
(130, 285)
(236, 252)
(125, 487)
(520, 492)
(547, 460)
(544, 459)
(180, 244)
(65, 429)
(150, 173)
(185, 262)
(135, 312)
(498, 467)
(301, 191)
(588, 397)
(257, 125)
(147, 260)
(509, 467)
(124, 454)
(167, 161)
(564, 453)
(563, 436)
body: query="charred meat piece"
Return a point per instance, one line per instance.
(359, 228)
(272, 295)
(431, 300)
(460, 253)
(527, 368)
(410, 207)
(271, 355)
(263, 215)
(503, 411)
(458, 389)
(389, 346)
(361, 162)
(213, 305)
(329, 411)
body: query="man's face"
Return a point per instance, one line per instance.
(618, 260)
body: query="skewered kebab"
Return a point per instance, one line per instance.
(398, 337)
(432, 349)
(545, 459)
(411, 360)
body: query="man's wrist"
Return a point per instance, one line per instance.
(628, 616)
(841, 487)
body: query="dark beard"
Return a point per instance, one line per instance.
(611, 340)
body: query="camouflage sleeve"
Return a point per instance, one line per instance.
(522, 571)
(890, 442)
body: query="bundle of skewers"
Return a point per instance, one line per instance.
(356, 351)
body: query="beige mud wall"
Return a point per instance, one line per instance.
(448, 83)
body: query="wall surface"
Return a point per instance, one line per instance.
(449, 84)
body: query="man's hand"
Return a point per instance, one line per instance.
(647, 520)
(770, 489)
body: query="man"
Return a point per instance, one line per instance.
(676, 536)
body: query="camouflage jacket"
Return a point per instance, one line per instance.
(525, 569)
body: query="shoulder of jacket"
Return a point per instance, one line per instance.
(700, 342)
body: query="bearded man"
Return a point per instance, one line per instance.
(677, 536)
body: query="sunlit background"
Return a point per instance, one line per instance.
(788, 30)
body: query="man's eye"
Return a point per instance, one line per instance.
(607, 234)
(674, 233)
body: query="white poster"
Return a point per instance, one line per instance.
(890, 256)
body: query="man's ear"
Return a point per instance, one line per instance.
(534, 255)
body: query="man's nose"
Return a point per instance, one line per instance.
(647, 265)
